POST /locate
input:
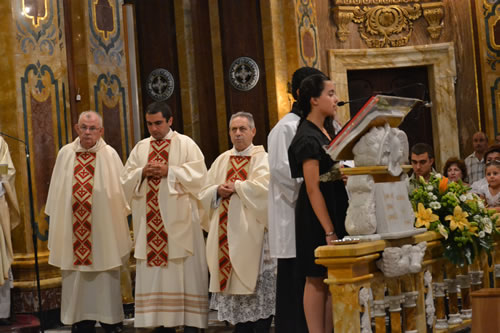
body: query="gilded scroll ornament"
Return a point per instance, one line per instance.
(374, 2)
(433, 13)
(383, 26)
(343, 16)
(386, 23)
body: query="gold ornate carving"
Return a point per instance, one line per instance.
(374, 2)
(343, 16)
(433, 13)
(382, 26)
(386, 23)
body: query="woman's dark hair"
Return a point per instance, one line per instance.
(311, 87)
(460, 164)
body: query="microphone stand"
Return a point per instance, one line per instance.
(33, 226)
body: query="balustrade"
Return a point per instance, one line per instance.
(437, 296)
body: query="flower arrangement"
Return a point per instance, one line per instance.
(460, 216)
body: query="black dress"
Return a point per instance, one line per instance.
(308, 144)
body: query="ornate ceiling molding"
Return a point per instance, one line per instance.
(386, 23)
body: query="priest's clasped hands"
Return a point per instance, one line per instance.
(226, 190)
(155, 169)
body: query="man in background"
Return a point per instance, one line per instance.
(475, 161)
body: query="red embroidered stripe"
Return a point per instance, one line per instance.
(157, 238)
(83, 184)
(238, 170)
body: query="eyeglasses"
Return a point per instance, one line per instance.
(92, 129)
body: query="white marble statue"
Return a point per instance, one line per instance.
(365, 299)
(397, 261)
(361, 218)
(389, 201)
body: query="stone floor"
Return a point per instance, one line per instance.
(214, 326)
(128, 325)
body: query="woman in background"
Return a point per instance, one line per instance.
(455, 169)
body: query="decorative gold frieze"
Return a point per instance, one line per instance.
(433, 13)
(383, 26)
(386, 23)
(374, 2)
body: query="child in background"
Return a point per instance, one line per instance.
(491, 191)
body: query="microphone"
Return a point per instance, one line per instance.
(342, 103)
(12, 137)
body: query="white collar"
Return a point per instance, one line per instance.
(245, 152)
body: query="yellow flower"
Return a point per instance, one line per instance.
(473, 230)
(458, 219)
(424, 216)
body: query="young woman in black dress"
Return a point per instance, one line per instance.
(321, 205)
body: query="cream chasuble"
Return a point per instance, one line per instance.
(109, 234)
(177, 293)
(177, 193)
(9, 214)
(246, 221)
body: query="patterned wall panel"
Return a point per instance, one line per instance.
(107, 71)
(110, 102)
(488, 18)
(42, 80)
(308, 33)
(105, 32)
(43, 123)
(34, 98)
(39, 30)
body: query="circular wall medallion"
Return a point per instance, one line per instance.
(244, 73)
(160, 84)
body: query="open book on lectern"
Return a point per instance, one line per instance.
(377, 111)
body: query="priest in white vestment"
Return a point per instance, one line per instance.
(162, 179)
(89, 238)
(9, 219)
(242, 272)
(283, 192)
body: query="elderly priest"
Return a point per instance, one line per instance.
(89, 237)
(242, 272)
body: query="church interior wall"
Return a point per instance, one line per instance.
(69, 48)
(457, 28)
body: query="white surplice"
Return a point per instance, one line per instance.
(283, 189)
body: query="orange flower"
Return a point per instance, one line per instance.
(443, 185)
